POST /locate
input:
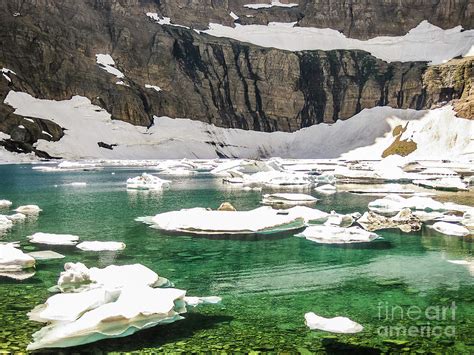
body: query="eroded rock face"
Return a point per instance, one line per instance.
(52, 47)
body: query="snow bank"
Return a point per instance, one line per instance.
(439, 134)
(425, 42)
(274, 3)
(106, 62)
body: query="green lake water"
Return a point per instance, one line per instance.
(266, 285)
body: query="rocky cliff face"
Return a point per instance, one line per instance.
(51, 45)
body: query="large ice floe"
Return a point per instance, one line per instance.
(53, 239)
(288, 199)
(201, 221)
(146, 182)
(333, 325)
(444, 184)
(328, 234)
(113, 302)
(14, 263)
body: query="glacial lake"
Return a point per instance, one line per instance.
(266, 285)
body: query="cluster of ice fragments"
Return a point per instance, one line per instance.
(112, 302)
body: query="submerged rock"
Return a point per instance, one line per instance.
(46, 255)
(226, 206)
(334, 325)
(122, 301)
(337, 235)
(404, 220)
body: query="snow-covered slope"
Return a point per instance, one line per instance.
(426, 42)
(438, 134)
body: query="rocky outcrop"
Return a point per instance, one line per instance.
(51, 45)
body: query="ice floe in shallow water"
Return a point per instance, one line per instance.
(5, 203)
(326, 189)
(468, 263)
(200, 221)
(341, 220)
(451, 229)
(146, 182)
(337, 235)
(5, 224)
(445, 184)
(288, 199)
(14, 263)
(46, 255)
(16, 217)
(392, 204)
(76, 276)
(29, 209)
(53, 239)
(119, 307)
(101, 246)
(334, 325)
(310, 215)
(78, 184)
(405, 220)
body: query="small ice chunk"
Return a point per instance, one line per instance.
(334, 325)
(337, 235)
(5, 203)
(13, 259)
(451, 229)
(288, 199)
(53, 239)
(29, 209)
(101, 246)
(78, 184)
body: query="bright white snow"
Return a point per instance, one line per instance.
(274, 3)
(107, 63)
(438, 133)
(425, 42)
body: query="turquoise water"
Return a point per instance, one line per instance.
(267, 285)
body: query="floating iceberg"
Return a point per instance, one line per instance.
(14, 263)
(29, 209)
(5, 203)
(146, 182)
(310, 215)
(109, 310)
(334, 325)
(200, 221)
(404, 220)
(287, 199)
(451, 229)
(341, 220)
(101, 246)
(337, 235)
(53, 239)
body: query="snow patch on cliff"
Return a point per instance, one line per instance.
(274, 3)
(425, 42)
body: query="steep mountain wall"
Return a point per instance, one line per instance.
(52, 46)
